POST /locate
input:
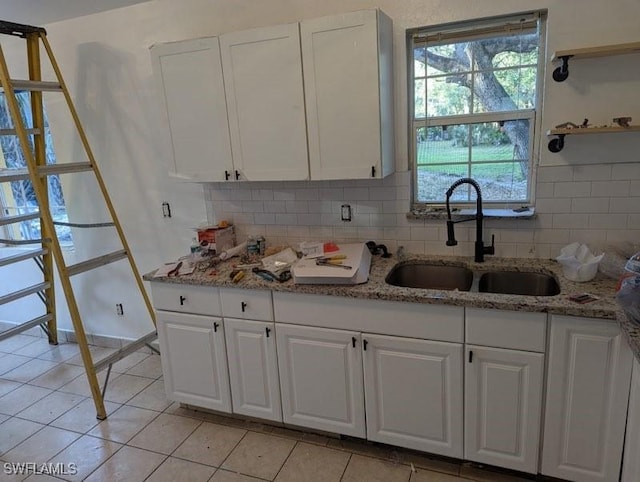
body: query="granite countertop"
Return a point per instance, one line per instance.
(603, 288)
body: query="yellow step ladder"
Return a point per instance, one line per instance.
(49, 251)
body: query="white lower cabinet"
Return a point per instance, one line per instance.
(631, 460)
(194, 359)
(413, 392)
(587, 393)
(503, 397)
(321, 378)
(253, 368)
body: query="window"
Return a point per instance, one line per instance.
(473, 104)
(18, 197)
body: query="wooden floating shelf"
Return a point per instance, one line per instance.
(592, 130)
(602, 51)
(557, 144)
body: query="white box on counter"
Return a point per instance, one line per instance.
(358, 257)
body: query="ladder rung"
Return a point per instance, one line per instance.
(124, 351)
(65, 168)
(25, 326)
(18, 219)
(36, 85)
(96, 262)
(14, 132)
(16, 258)
(10, 175)
(16, 295)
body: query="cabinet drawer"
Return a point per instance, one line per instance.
(506, 329)
(246, 304)
(202, 300)
(413, 320)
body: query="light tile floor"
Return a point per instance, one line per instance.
(47, 416)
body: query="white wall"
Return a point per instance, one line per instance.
(589, 192)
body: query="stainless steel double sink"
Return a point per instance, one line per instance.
(453, 277)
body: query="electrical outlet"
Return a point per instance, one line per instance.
(119, 309)
(345, 212)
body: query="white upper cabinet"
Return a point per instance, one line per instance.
(191, 86)
(263, 84)
(348, 82)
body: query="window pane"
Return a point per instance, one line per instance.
(21, 198)
(433, 182)
(419, 99)
(505, 90)
(501, 181)
(418, 62)
(447, 59)
(497, 141)
(442, 144)
(448, 95)
(518, 50)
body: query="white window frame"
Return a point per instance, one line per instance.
(472, 30)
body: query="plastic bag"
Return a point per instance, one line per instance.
(628, 297)
(578, 263)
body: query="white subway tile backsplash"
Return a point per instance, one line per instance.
(555, 174)
(597, 172)
(571, 189)
(262, 194)
(310, 219)
(570, 221)
(357, 194)
(626, 171)
(594, 203)
(264, 218)
(371, 234)
(607, 221)
(286, 218)
(383, 193)
(554, 205)
(275, 206)
(297, 206)
(368, 207)
(590, 205)
(382, 220)
(252, 206)
(610, 188)
(545, 190)
(284, 195)
(424, 233)
(625, 205)
(332, 194)
(591, 237)
(306, 194)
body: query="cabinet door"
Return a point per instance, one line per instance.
(631, 461)
(321, 378)
(263, 82)
(347, 83)
(587, 394)
(194, 360)
(253, 368)
(503, 399)
(191, 86)
(413, 393)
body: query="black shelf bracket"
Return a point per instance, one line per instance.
(557, 144)
(561, 73)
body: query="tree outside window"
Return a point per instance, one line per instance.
(18, 197)
(474, 103)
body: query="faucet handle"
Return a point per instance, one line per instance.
(491, 249)
(451, 237)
